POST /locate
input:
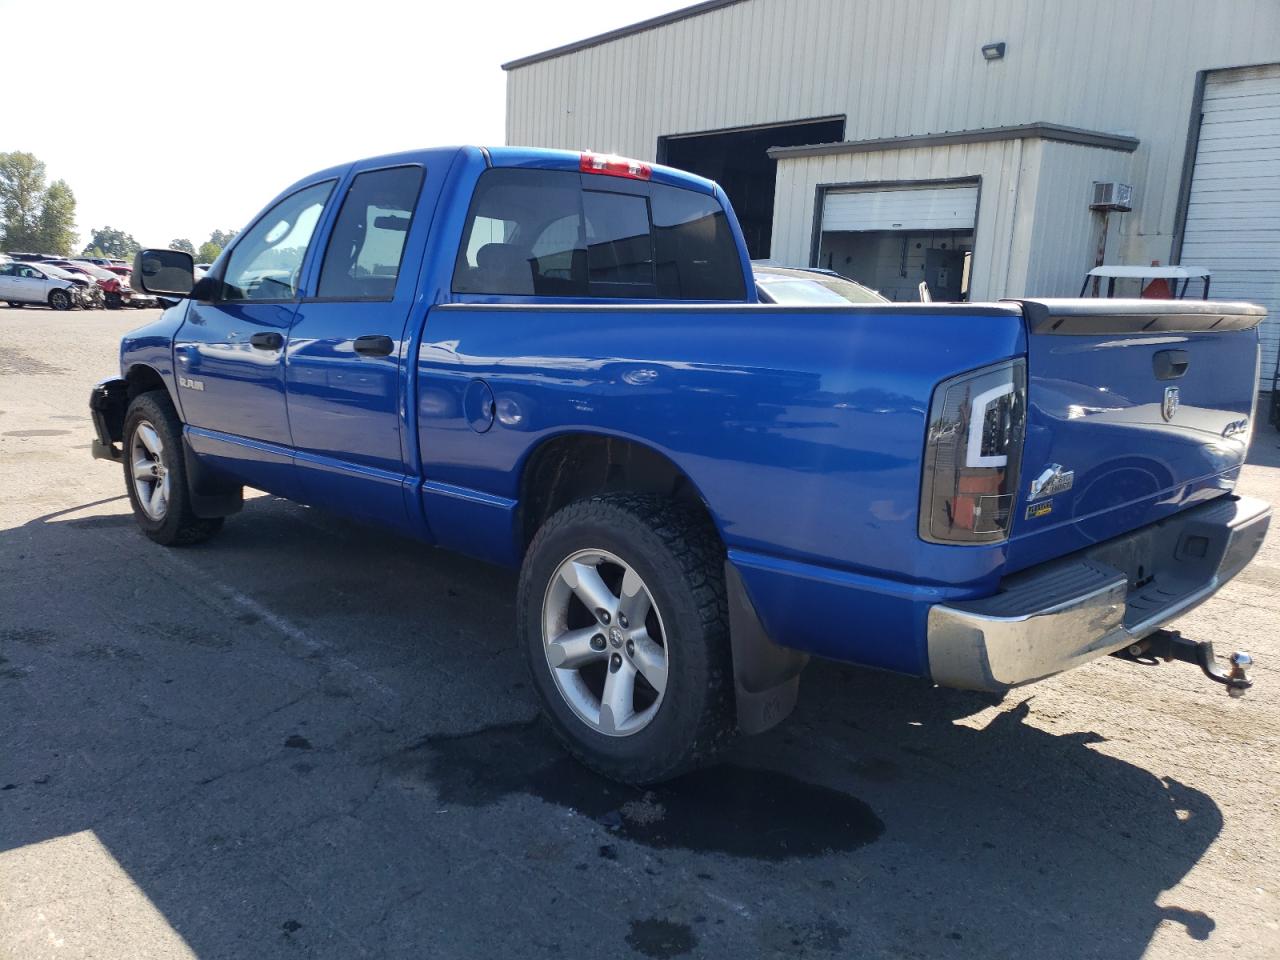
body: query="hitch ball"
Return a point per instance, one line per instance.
(1240, 664)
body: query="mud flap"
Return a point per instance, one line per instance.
(766, 677)
(212, 494)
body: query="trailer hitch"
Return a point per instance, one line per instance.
(1170, 645)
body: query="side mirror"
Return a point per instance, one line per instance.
(163, 272)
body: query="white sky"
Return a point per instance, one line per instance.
(172, 118)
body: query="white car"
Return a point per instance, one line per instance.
(23, 283)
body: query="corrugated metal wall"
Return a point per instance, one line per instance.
(1066, 239)
(899, 67)
(1009, 171)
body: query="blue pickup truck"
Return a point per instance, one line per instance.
(557, 361)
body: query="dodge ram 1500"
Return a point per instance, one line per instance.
(557, 361)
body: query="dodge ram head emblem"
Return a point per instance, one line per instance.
(1170, 405)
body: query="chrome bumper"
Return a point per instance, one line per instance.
(1066, 612)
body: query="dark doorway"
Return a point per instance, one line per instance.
(739, 161)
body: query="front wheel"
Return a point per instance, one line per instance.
(624, 621)
(155, 473)
(60, 300)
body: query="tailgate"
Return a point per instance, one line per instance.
(1135, 409)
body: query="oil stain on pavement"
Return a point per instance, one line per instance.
(735, 810)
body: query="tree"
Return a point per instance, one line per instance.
(186, 246)
(111, 243)
(220, 238)
(33, 217)
(56, 226)
(208, 252)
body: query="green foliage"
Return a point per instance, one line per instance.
(208, 252)
(112, 243)
(186, 246)
(33, 217)
(56, 226)
(220, 238)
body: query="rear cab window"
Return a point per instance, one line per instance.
(550, 233)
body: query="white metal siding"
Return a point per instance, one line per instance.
(900, 67)
(903, 208)
(1008, 171)
(1233, 217)
(1065, 234)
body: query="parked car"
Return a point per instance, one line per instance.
(808, 286)
(91, 296)
(556, 361)
(115, 289)
(24, 284)
(136, 298)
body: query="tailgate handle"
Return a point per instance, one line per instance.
(1170, 364)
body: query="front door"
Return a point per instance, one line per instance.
(345, 351)
(229, 355)
(23, 283)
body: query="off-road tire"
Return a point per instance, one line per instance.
(678, 554)
(179, 526)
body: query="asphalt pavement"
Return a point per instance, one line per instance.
(309, 738)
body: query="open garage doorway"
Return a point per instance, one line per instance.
(739, 161)
(893, 237)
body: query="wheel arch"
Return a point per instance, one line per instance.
(572, 465)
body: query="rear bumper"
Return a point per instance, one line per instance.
(1064, 613)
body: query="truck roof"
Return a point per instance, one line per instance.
(535, 157)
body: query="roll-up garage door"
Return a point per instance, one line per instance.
(1233, 214)
(901, 208)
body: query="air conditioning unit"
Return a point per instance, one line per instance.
(1110, 195)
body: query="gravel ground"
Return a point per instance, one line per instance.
(311, 739)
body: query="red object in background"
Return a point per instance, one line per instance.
(1157, 289)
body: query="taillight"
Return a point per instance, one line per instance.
(614, 166)
(973, 452)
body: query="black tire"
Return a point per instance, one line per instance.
(178, 526)
(677, 553)
(59, 300)
(114, 301)
(15, 305)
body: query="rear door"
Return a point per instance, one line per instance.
(346, 349)
(229, 354)
(1137, 408)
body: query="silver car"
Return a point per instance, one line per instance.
(23, 283)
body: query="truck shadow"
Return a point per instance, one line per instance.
(309, 736)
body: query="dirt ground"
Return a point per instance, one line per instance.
(308, 738)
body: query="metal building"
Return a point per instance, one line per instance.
(957, 142)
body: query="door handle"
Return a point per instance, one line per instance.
(1170, 364)
(267, 341)
(374, 345)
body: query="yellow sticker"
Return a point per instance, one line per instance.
(1042, 509)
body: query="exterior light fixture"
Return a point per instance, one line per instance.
(993, 51)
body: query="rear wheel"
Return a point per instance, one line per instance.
(16, 305)
(155, 473)
(60, 300)
(624, 621)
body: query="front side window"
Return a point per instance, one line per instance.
(266, 263)
(362, 261)
(558, 234)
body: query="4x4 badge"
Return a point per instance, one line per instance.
(1170, 405)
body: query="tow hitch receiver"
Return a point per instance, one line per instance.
(1170, 645)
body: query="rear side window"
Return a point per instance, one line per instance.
(362, 261)
(559, 234)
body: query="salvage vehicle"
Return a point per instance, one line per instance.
(23, 283)
(557, 362)
(116, 292)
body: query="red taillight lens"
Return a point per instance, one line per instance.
(614, 166)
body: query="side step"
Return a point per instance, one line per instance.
(1170, 645)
